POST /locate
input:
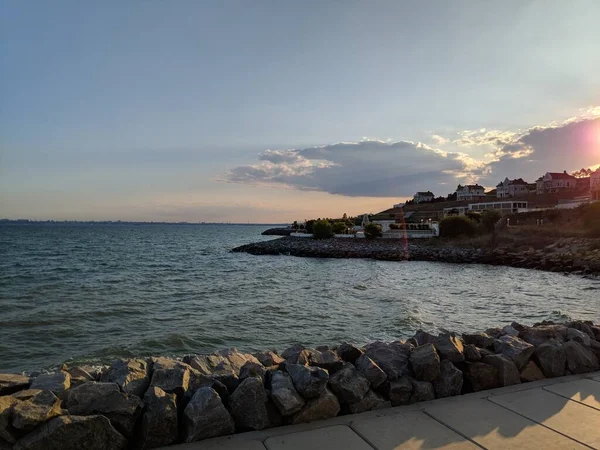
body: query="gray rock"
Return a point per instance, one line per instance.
(472, 353)
(308, 381)
(349, 385)
(234, 360)
(132, 376)
(595, 348)
(370, 401)
(74, 433)
(450, 347)
(578, 336)
(543, 333)
(252, 370)
(106, 399)
(296, 354)
(284, 394)
(515, 349)
(425, 363)
(583, 327)
(480, 376)
(509, 331)
(401, 391)
(370, 370)
(391, 357)
(159, 423)
(551, 358)
(205, 416)
(508, 374)
(57, 382)
(480, 340)
(205, 364)
(495, 332)
(171, 376)
(531, 372)
(422, 337)
(248, 405)
(580, 359)
(327, 359)
(323, 407)
(450, 381)
(80, 375)
(34, 408)
(422, 391)
(349, 352)
(6, 432)
(268, 359)
(10, 383)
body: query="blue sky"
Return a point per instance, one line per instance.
(187, 110)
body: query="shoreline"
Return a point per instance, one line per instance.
(587, 263)
(159, 401)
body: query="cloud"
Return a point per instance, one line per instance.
(366, 168)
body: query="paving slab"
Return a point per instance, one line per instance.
(596, 378)
(582, 391)
(410, 431)
(222, 443)
(338, 437)
(494, 427)
(570, 418)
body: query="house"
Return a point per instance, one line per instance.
(511, 188)
(503, 207)
(470, 192)
(554, 182)
(421, 197)
(595, 185)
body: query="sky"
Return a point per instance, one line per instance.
(274, 111)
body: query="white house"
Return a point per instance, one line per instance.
(470, 192)
(595, 185)
(556, 182)
(511, 188)
(421, 197)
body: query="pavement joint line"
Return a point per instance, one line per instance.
(541, 424)
(441, 422)
(570, 399)
(361, 436)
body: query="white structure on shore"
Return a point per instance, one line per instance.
(470, 192)
(505, 207)
(511, 188)
(554, 182)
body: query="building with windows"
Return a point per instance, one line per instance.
(470, 192)
(595, 185)
(554, 182)
(511, 188)
(504, 207)
(421, 197)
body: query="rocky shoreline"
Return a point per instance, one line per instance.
(149, 403)
(552, 258)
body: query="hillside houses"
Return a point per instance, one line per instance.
(470, 192)
(512, 188)
(555, 182)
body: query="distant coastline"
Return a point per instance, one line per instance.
(125, 222)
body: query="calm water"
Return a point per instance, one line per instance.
(94, 292)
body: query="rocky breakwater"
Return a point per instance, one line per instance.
(148, 403)
(549, 259)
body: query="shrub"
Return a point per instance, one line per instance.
(339, 227)
(591, 219)
(395, 226)
(489, 219)
(322, 229)
(309, 226)
(474, 216)
(454, 226)
(373, 230)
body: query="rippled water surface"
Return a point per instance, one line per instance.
(89, 292)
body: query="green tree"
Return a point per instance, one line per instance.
(489, 219)
(322, 229)
(339, 227)
(373, 230)
(455, 226)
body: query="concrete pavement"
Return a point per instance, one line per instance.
(559, 413)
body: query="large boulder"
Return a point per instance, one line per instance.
(479, 376)
(401, 391)
(10, 383)
(269, 358)
(205, 364)
(308, 381)
(284, 394)
(472, 353)
(326, 359)
(586, 328)
(510, 331)
(7, 433)
(450, 381)
(171, 376)
(450, 347)
(515, 349)
(370, 401)
(349, 385)
(508, 374)
(370, 370)
(80, 374)
(349, 353)
(34, 408)
(159, 423)
(326, 406)
(296, 354)
(425, 363)
(252, 370)
(234, 360)
(422, 337)
(205, 416)
(537, 335)
(422, 391)
(74, 433)
(132, 376)
(551, 358)
(580, 359)
(93, 398)
(480, 340)
(391, 357)
(57, 382)
(531, 372)
(578, 336)
(248, 405)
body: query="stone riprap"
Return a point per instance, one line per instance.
(580, 262)
(153, 402)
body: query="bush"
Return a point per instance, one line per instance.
(339, 227)
(373, 230)
(474, 216)
(591, 219)
(309, 226)
(322, 229)
(489, 219)
(395, 226)
(455, 226)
